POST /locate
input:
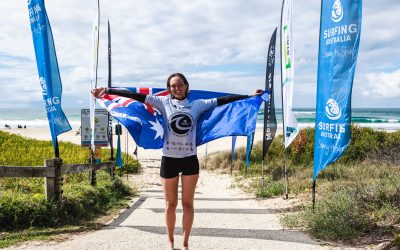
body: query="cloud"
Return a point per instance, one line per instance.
(219, 45)
(382, 85)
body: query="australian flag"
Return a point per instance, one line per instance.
(146, 126)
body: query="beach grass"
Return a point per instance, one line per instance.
(24, 211)
(358, 197)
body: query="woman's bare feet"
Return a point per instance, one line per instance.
(170, 245)
(185, 248)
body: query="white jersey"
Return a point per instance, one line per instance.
(180, 123)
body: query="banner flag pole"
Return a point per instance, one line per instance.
(110, 129)
(314, 183)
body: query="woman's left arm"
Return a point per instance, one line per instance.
(231, 98)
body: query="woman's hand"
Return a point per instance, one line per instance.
(99, 92)
(258, 92)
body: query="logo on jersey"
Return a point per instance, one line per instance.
(181, 124)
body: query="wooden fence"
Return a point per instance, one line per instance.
(52, 171)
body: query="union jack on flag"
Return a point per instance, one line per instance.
(142, 121)
(146, 126)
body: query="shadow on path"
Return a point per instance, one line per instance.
(122, 217)
(160, 191)
(277, 235)
(223, 211)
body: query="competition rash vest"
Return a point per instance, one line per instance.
(180, 123)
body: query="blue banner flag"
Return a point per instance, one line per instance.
(145, 124)
(340, 29)
(233, 147)
(49, 75)
(250, 140)
(118, 160)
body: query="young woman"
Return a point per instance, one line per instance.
(180, 117)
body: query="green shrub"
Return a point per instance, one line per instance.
(22, 201)
(132, 167)
(270, 190)
(396, 241)
(337, 216)
(301, 151)
(81, 201)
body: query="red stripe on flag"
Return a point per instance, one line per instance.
(127, 102)
(163, 93)
(145, 91)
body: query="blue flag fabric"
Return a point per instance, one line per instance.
(235, 118)
(145, 124)
(250, 140)
(118, 160)
(340, 29)
(233, 146)
(49, 75)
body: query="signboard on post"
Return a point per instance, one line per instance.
(100, 128)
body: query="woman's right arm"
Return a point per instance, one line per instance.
(100, 92)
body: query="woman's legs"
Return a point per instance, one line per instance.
(170, 188)
(188, 188)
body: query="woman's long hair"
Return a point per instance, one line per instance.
(185, 81)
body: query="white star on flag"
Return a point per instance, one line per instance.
(156, 126)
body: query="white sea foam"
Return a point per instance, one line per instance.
(378, 126)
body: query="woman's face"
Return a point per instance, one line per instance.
(178, 88)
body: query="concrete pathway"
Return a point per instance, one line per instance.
(224, 219)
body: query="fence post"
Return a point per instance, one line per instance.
(53, 185)
(112, 173)
(92, 173)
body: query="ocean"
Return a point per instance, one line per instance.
(387, 119)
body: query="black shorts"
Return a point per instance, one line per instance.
(171, 167)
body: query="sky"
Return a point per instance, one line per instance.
(218, 45)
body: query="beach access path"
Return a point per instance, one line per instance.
(225, 217)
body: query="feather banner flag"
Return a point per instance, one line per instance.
(249, 147)
(340, 29)
(49, 75)
(233, 147)
(146, 126)
(118, 160)
(94, 64)
(290, 127)
(269, 107)
(233, 151)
